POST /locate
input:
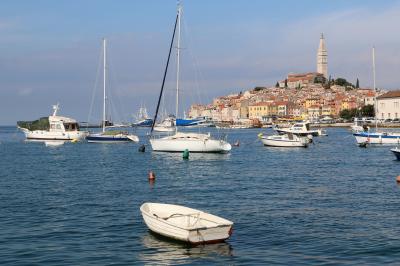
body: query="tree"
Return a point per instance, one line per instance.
(285, 83)
(320, 79)
(368, 110)
(259, 88)
(348, 114)
(277, 85)
(357, 84)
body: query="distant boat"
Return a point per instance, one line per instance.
(180, 141)
(286, 140)
(167, 125)
(185, 224)
(109, 136)
(396, 152)
(366, 137)
(299, 129)
(53, 127)
(142, 119)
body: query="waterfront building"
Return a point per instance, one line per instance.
(300, 80)
(388, 105)
(322, 57)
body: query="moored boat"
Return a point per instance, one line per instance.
(286, 140)
(299, 129)
(193, 142)
(396, 152)
(109, 136)
(53, 127)
(185, 224)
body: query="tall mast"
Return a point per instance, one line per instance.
(375, 92)
(104, 83)
(177, 61)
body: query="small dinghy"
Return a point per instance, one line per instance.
(185, 224)
(396, 152)
(286, 140)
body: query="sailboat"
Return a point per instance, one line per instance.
(113, 136)
(378, 137)
(142, 118)
(180, 141)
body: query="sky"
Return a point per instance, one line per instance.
(50, 51)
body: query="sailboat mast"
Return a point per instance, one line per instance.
(178, 61)
(375, 92)
(104, 83)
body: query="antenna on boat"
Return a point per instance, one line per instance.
(55, 109)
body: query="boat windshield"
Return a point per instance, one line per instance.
(71, 126)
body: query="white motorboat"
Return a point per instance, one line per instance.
(185, 224)
(285, 140)
(182, 141)
(53, 127)
(300, 129)
(167, 125)
(107, 136)
(193, 142)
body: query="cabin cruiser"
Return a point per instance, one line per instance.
(299, 129)
(53, 127)
(285, 140)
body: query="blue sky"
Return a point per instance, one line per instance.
(50, 50)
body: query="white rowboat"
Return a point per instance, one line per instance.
(185, 224)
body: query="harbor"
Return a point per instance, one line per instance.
(79, 203)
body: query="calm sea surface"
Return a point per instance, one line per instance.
(78, 204)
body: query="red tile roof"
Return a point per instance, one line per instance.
(390, 94)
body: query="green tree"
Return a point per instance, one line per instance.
(277, 85)
(320, 79)
(357, 84)
(348, 114)
(259, 88)
(285, 83)
(368, 110)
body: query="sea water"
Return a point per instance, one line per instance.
(78, 204)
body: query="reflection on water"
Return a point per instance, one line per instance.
(163, 250)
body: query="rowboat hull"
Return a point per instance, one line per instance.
(185, 224)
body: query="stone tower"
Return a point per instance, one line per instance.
(322, 57)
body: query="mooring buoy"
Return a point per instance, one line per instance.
(142, 148)
(185, 154)
(152, 176)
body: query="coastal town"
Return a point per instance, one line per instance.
(312, 96)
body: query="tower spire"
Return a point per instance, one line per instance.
(322, 57)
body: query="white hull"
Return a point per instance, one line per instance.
(185, 224)
(191, 142)
(47, 135)
(164, 129)
(377, 138)
(274, 142)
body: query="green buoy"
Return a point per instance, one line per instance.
(185, 154)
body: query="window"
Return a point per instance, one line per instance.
(388, 115)
(382, 105)
(396, 104)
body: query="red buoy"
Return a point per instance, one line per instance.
(152, 176)
(398, 179)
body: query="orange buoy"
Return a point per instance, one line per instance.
(398, 179)
(152, 176)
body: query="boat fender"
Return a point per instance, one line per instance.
(74, 141)
(260, 135)
(142, 148)
(185, 154)
(152, 176)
